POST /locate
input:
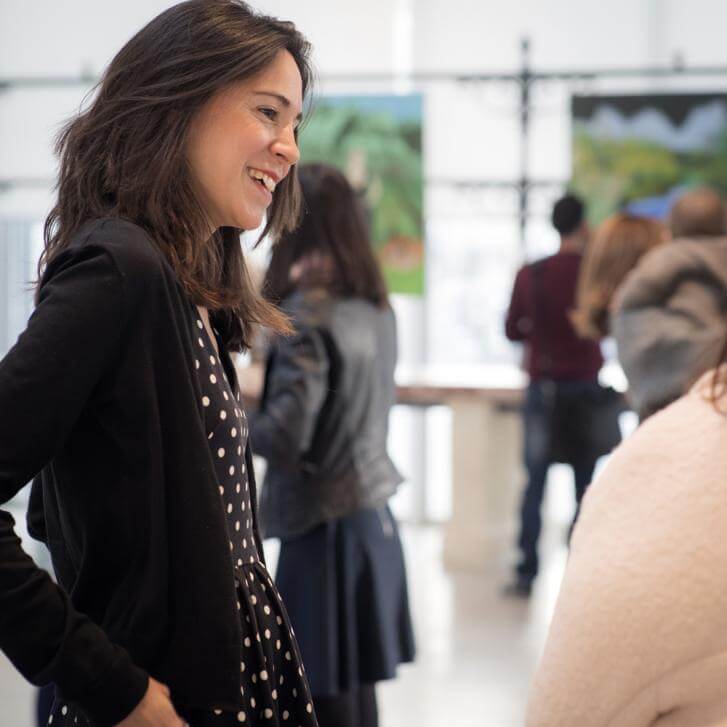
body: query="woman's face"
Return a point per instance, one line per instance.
(242, 144)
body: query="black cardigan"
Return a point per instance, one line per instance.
(100, 394)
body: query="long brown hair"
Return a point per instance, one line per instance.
(333, 229)
(124, 156)
(619, 243)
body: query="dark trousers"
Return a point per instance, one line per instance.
(356, 708)
(538, 417)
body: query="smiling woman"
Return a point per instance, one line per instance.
(171, 146)
(243, 144)
(144, 489)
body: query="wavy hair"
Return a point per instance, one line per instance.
(619, 243)
(124, 156)
(331, 248)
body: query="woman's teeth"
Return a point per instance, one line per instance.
(264, 178)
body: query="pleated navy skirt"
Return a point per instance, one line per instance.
(344, 587)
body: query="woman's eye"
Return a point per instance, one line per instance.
(272, 114)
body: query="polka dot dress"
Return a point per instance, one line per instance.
(273, 685)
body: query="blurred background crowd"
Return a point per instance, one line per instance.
(521, 210)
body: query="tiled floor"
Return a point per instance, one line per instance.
(477, 650)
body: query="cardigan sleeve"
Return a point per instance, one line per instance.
(296, 387)
(45, 381)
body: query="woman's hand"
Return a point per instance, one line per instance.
(154, 710)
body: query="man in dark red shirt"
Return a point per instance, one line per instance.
(557, 360)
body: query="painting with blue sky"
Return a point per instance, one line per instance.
(640, 152)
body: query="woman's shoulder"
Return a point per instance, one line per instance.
(674, 453)
(129, 246)
(309, 308)
(686, 425)
(112, 257)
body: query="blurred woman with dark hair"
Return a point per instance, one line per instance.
(121, 399)
(322, 426)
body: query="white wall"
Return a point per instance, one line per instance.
(471, 130)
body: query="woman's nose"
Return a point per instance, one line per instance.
(286, 146)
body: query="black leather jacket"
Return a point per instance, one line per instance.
(323, 419)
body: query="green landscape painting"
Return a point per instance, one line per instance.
(639, 152)
(377, 142)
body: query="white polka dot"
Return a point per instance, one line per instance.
(268, 713)
(210, 435)
(239, 451)
(309, 708)
(242, 507)
(267, 610)
(226, 397)
(253, 599)
(229, 508)
(244, 542)
(288, 656)
(252, 560)
(281, 679)
(233, 432)
(196, 364)
(277, 644)
(295, 692)
(201, 342)
(264, 675)
(242, 666)
(279, 620)
(254, 678)
(205, 401)
(247, 642)
(252, 701)
(221, 452)
(274, 694)
(267, 633)
(286, 714)
(241, 717)
(218, 712)
(237, 526)
(239, 561)
(223, 414)
(64, 710)
(237, 488)
(212, 361)
(231, 470)
(199, 324)
(213, 379)
(222, 490)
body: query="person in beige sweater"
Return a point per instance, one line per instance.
(639, 635)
